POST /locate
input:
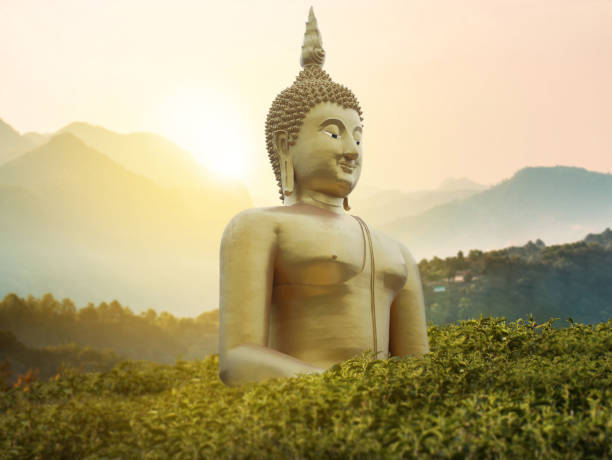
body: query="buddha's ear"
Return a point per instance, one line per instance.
(281, 143)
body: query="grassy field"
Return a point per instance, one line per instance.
(488, 389)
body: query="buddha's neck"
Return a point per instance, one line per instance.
(317, 199)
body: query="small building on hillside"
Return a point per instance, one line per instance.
(464, 276)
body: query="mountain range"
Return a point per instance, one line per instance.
(13, 144)
(384, 206)
(148, 154)
(556, 204)
(75, 222)
(94, 215)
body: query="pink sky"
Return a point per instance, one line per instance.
(474, 89)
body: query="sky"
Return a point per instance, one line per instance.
(474, 88)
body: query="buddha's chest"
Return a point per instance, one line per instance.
(326, 252)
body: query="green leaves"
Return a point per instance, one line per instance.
(488, 389)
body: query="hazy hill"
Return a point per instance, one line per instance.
(13, 144)
(75, 223)
(149, 155)
(556, 204)
(380, 207)
(146, 154)
(461, 183)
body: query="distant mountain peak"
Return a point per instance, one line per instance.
(64, 140)
(460, 183)
(557, 204)
(535, 172)
(81, 125)
(556, 180)
(6, 129)
(85, 130)
(147, 154)
(13, 144)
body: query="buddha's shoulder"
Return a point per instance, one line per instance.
(252, 216)
(256, 220)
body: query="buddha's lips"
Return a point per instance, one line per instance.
(348, 167)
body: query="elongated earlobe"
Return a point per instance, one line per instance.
(287, 176)
(345, 204)
(281, 145)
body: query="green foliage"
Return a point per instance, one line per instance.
(556, 281)
(603, 239)
(488, 389)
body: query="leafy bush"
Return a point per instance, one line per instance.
(488, 389)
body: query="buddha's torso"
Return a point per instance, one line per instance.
(321, 302)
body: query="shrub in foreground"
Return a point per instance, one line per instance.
(488, 389)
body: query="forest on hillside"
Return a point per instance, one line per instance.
(20, 364)
(42, 333)
(562, 281)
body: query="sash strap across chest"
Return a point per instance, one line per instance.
(367, 244)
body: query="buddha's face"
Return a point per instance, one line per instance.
(327, 156)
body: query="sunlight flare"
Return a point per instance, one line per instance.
(208, 124)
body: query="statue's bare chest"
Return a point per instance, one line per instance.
(328, 251)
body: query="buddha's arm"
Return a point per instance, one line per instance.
(248, 250)
(407, 329)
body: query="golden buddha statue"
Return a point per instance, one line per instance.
(306, 285)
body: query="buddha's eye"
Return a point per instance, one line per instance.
(332, 134)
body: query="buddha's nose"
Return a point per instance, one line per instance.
(350, 151)
(350, 155)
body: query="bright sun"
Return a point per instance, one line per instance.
(211, 127)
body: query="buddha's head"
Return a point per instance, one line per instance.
(313, 129)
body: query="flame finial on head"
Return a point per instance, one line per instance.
(312, 49)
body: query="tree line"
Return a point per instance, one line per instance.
(160, 337)
(563, 281)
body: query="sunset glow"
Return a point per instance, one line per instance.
(475, 89)
(206, 124)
